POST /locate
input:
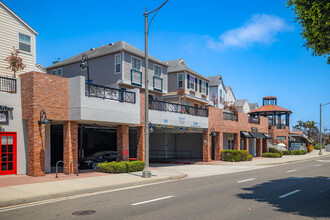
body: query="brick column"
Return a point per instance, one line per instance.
(246, 144)
(70, 145)
(237, 144)
(258, 147)
(122, 143)
(140, 143)
(206, 146)
(36, 148)
(264, 145)
(218, 145)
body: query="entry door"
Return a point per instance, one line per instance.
(8, 154)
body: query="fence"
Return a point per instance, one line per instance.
(7, 85)
(230, 116)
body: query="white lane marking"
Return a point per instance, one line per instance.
(318, 165)
(290, 171)
(153, 200)
(324, 161)
(42, 202)
(241, 181)
(289, 194)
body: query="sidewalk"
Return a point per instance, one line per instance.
(21, 188)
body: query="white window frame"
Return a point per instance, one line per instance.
(134, 57)
(59, 69)
(203, 85)
(192, 82)
(180, 74)
(120, 63)
(161, 70)
(18, 41)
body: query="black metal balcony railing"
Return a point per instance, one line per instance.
(254, 120)
(230, 116)
(173, 107)
(7, 85)
(110, 93)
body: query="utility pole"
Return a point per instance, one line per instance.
(146, 173)
(320, 136)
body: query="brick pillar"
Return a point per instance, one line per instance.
(218, 145)
(36, 148)
(237, 144)
(70, 145)
(140, 143)
(206, 146)
(246, 144)
(122, 143)
(264, 145)
(259, 147)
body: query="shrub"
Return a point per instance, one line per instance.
(299, 152)
(274, 150)
(120, 167)
(272, 155)
(134, 166)
(286, 152)
(235, 155)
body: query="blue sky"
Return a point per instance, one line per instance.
(255, 45)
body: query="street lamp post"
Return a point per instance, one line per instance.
(146, 173)
(83, 65)
(320, 136)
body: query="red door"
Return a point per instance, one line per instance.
(8, 154)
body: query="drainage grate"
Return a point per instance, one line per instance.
(84, 212)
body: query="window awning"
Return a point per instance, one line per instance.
(257, 135)
(245, 134)
(267, 136)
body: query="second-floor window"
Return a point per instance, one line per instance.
(136, 64)
(180, 81)
(220, 95)
(203, 85)
(192, 82)
(24, 42)
(157, 71)
(118, 63)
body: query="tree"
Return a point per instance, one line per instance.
(314, 19)
(215, 100)
(15, 62)
(308, 128)
(181, 93)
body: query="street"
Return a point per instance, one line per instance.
(291, 191)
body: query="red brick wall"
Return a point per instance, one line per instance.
(141, 130)
(206, 146)
(70, 145)
(274, 132)
(122, 142)
(47, 92)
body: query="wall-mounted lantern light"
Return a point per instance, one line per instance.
(43, 118)
(151, 129)
(212, 132)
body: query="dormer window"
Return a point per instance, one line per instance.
(136, 64)
(203, 88)
(24, 43)
(157, 71)
(192, 82)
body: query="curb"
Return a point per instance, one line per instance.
(85, 191)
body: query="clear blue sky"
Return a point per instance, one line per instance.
(255, 45)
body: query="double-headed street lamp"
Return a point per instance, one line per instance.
(320, 136)
(146, 173)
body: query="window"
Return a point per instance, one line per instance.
(157, 71)
(203, 89)
(117, 63)
(24, 43)
(192, 82)
(60, 72)
(53, 72)
(207, 88)
(220, 95)
(200, 86)
(136, 63)
(188, 81)
(196, 84)
(230, 144)
(281, 138)
(180, 80)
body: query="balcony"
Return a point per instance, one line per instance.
(136, 77)
(104, 92)
(254, 120)
(8, 85)
(230, 116)
(158, 83)
(177, 108)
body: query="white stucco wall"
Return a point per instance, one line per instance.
(83, 108)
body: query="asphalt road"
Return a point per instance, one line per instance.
(291, 191)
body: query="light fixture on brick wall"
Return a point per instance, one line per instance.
(43, 118)
(212, 132)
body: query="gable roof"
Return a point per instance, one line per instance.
(179, 65)
(229, 88)
(17, 17)
(253, 106)
(241, 102)
(106, 50)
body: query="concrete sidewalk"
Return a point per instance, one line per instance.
(16, 194)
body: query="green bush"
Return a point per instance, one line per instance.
(287, 152)
(235, 155)
(296, 152)
(120, 167)
(272, 155)
(134, 166)
(274, 150)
